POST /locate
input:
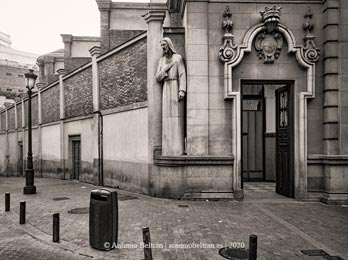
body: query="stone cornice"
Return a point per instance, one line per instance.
(179, 5)
(186, 160)
(40, 85)
(62, 72)
(154, 15)
(104, 5)
(328, 159)
(95, 50)
(67, 38)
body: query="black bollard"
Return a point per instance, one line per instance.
(22, 212)
(7, 201)
(147, 244)
(56, 227)
(252, 247)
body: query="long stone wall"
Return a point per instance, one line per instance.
(70, 108)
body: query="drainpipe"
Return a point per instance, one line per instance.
(100, 148)
(95, 52)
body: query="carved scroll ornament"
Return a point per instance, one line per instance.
(310, 51)
(228, 49)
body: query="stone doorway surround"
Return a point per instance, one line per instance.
(231, 55)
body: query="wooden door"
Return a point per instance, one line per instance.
(253, 139)
(284, 142)
(76, 158)
(20, 159)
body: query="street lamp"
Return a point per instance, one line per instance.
(29, 172)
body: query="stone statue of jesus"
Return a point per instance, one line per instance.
(171, 72)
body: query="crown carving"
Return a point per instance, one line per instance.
(271, 17)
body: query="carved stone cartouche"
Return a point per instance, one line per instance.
(269, 42)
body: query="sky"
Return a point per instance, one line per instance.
(35, 25)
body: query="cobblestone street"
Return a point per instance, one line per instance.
(284, 226)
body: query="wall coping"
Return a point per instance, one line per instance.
(123, 46)
(126, 108)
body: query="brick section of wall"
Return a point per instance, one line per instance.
(11, 118)
(50, 104)
(19, 115)
(118, 37)
(71, 64)
(123, 77)
(3, 121)
(51, 78)
(78, 94)
(34, 111)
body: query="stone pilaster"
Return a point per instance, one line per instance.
(343, 75)
(39, 86)
(61, 73)
(196, 45)
(7, 154)
(49, 66)
(23, 112)
(331, 113)
(67, 40)
(97, 126)
(154, 19)
(39, 101)
(41, 63)
(16, 118)
(104, 7)
(95, 52)
(6, 116)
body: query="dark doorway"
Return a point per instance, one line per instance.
(267, 134)
(76, 157)
(20, 165)
(284, 142)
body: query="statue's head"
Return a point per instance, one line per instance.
(167, 46)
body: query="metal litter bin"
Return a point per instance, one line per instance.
(103, 219)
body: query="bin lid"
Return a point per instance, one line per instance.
(102, 192)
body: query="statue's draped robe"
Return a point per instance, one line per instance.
(172, 73)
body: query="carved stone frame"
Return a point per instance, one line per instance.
(300, 110)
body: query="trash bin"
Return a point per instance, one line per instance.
(103, 219)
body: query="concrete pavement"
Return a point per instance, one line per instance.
(192, 230)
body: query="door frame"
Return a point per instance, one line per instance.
(262, 82)
(20, 156)
(74, 138)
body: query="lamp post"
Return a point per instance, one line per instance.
(29, 172)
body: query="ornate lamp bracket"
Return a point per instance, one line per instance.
(228, 50)
(310, 51)
(269, 42)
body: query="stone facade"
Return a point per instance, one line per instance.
(235, 52)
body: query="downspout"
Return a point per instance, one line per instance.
(100, 148)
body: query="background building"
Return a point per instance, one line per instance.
(265, 101)
(13, 65)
